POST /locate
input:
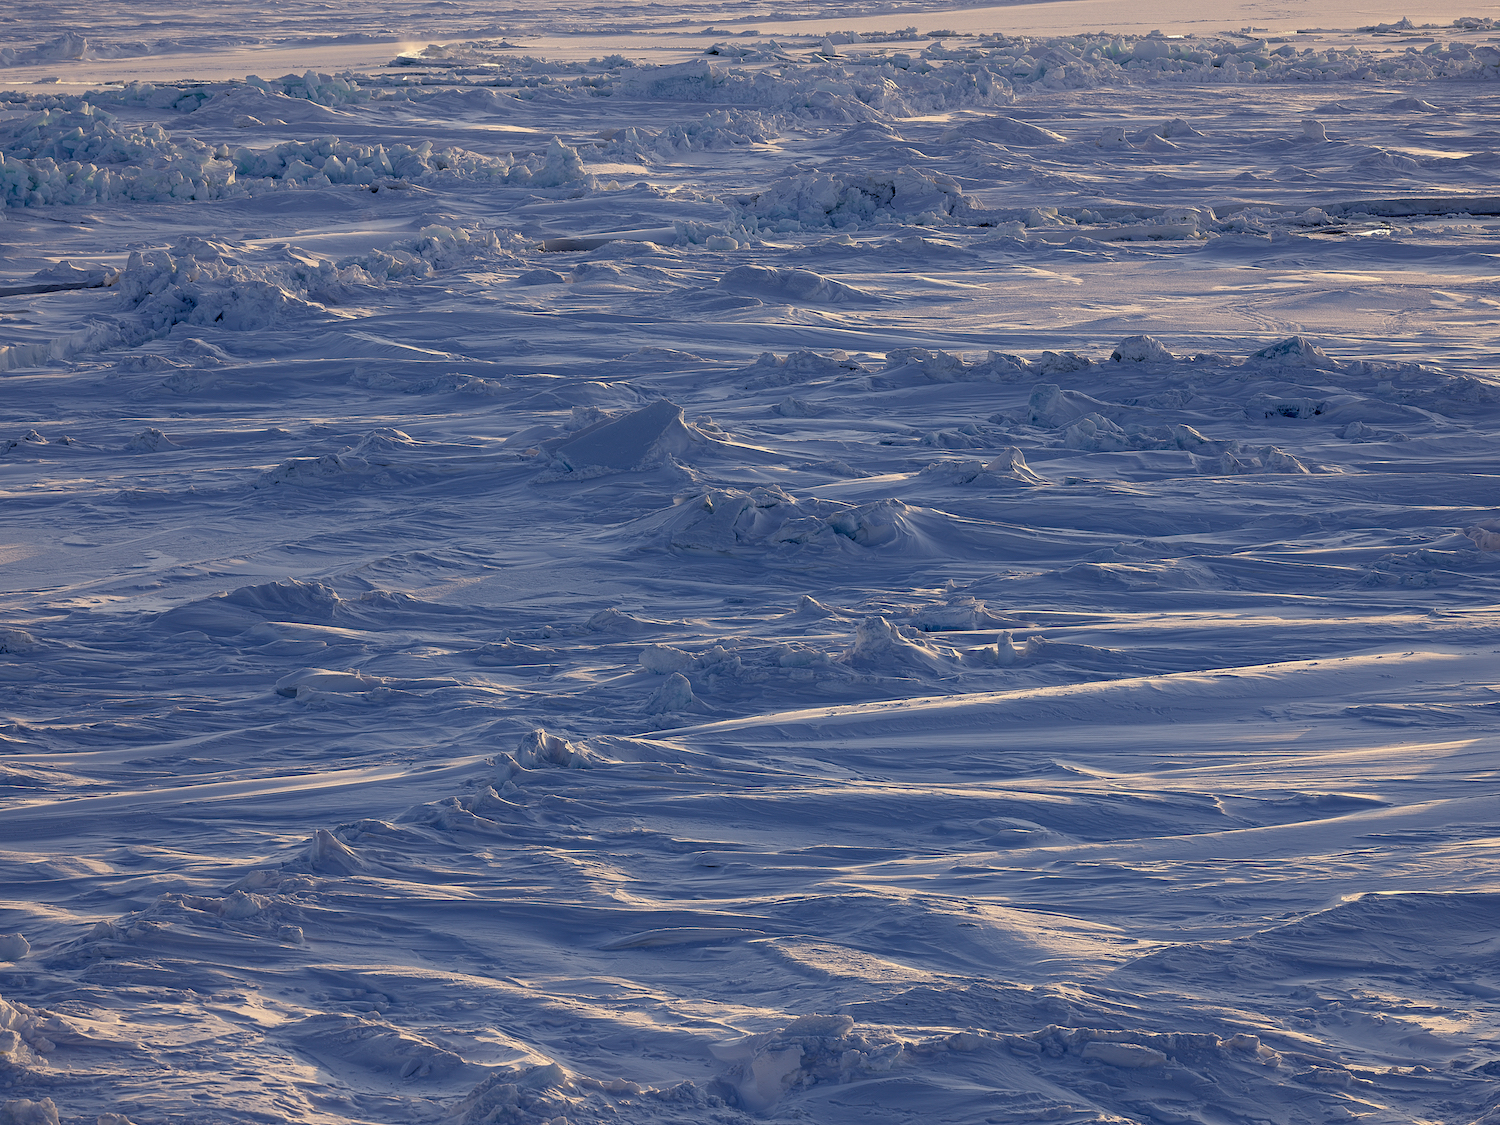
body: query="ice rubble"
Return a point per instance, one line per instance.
(732, 521)
(83, 155)
(74, 151)
(204, 282)
(1138, 415)
(772, 370)
(823, 199)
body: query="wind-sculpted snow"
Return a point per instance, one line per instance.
(792, 573)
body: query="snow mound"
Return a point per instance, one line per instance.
(288, 600)
(373, 1045)
(541, 276)
(618, 622)
(1005, 131)
(959, 613)
(675, 694)
(1296, 351)
(13, 947)
(229, 614)
(1050, 405)
(637, 440)
(791, 286)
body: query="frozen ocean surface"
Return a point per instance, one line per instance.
(731, 563)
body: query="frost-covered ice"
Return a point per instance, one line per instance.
(568, 566)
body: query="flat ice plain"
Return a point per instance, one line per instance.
(982, 608)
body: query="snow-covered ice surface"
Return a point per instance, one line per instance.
(978, 606)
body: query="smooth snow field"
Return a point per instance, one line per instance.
(730, 563)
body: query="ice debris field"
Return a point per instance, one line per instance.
(725, 564)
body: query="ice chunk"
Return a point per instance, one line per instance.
(542, 749)
(662, 659)
(1047, 405)
(880, 646)
(1276, 461)
(1011, 462)
(1095, 433)
(771, 370)
(1192, 441)
(1313, 130)
(1140, 349)
(767, 1077)
(150, 440)
(674, 695)
(1123, 1054)
(24, 1111)
(13, 947)
(940, 367)
(1485, 538)
(327, 853)
(1060, 363)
